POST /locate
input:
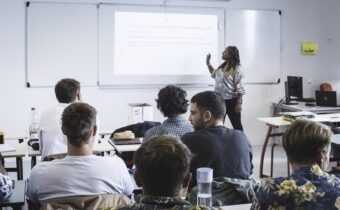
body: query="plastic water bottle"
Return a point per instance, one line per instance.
(34, 124)
(204, 184)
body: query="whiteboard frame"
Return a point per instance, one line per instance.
(50, 58)
(94, 79)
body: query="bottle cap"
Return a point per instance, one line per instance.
(204, 175)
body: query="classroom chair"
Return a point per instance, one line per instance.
(272, 159)
(87, 202)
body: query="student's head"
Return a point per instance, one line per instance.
(78, 123)
(172, 101)
(307, 142)
(206, 109)
(163, 166)
(67, 91)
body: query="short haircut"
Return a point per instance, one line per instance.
(304, 139)
(172, 101)
(77, 122)
(66, 90)
(210, 101)
(162, 164)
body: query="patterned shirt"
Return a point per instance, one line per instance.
(307, 188)
(229, 83)
(175, 126)
(5, 186)
(156, 203)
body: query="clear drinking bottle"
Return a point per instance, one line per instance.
(204, 184)
(34, 124)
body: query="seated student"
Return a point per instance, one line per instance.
(307, 145)
(173, 104)
(227, 151)
(52, 139)
(163, 171)
(80, 173)
(5, 184)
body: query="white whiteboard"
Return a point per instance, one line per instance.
(149, 45)
(256, 34)
(61, 42)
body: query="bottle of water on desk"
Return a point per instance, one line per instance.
(204, 182)
(34, 124)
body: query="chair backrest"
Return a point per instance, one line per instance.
(87, 202)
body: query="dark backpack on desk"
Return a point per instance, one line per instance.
(139, 129)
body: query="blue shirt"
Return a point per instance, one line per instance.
(227, 151)
(229, 83)
(175, 126)
(307, 188)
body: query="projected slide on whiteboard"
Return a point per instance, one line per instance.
(163, 43)
(151, 46)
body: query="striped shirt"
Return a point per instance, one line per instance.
(175, 126)
(229, 84)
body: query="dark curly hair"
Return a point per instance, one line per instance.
(172, 101)
(234, 59)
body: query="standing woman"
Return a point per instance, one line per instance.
(229, 82)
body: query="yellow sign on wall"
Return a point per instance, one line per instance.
(309, 48)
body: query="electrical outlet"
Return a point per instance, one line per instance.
(309, 81)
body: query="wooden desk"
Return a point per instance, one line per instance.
(24, 134)
(103, 146)
(128, 148)
(302, 107)
(16, 134)
(106, 130)
(237, 207)
(275, 122)
(17, 199)
(19, 153)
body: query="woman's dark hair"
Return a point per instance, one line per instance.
(234, 59)
(304, 139)
(172, 101)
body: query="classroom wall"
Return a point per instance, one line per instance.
(303, 20)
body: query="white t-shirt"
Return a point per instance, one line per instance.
(52, 139)
(78, 176)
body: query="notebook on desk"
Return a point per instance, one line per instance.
(126, 141)
(326, 98)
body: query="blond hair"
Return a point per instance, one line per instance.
(304, 139)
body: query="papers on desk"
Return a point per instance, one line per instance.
(6, 148)
(291, 116)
